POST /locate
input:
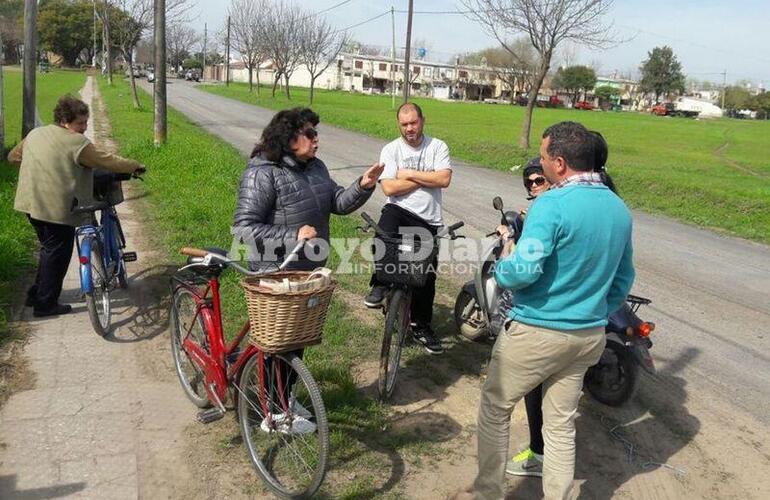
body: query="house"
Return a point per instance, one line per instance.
(380, 75)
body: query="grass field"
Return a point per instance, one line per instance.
(190, 189)
(712, 173)
(16, 235)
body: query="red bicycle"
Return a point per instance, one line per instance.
(278, 403)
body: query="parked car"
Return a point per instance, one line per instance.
(584, 105)
(192, 76)
(150, 75)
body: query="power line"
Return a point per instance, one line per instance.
(364, 22)
(340, 4)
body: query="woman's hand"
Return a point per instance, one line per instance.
(369, 179)
(306, 233)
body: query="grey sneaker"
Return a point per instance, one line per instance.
(423, 334)
(526, 463)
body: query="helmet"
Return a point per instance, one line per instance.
(533, 166)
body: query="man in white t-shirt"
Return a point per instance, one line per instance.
(417, 169)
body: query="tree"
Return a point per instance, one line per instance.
(283, 28)
(605, 94)
(192, 63)
(547, 24)
(180, 40)
(661, 73)
(515, 69)
(574, 80)
(320, 46)
(761, 104)
(65, 28)
(248, 34)
(737, 97)
(11, 14)
(134, 20)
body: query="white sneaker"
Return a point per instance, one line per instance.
(297, 425)
(298, 409)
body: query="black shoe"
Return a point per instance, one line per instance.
(376, 297)
(425, 336)
(31, 297)
(53, 311)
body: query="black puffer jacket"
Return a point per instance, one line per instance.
(275, 200)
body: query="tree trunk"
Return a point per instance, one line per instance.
(160, 108)
(257, 73)
(312, 88)
(108, 45)
(251, 79)
(134, 94)
(275, 83)
(30, 60)
(532, 100)
(286, 77)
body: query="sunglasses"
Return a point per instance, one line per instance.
(537, 181)
(310, 133)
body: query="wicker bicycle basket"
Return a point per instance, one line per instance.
(286, 321)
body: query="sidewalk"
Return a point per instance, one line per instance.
(106, 417)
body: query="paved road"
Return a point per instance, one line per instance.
(711, 293)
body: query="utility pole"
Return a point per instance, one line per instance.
(393, 59)
(407, 54)
(93, 59)
(2, 103)
(108, 43)
(724, 89)
(30, 61)
(227, 57)
(161, 131)
(205, 34)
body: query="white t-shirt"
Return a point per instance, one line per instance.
(431, 156)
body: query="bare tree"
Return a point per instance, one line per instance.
(135, 23)
(320, 44)
(248, 34)
(180, 39)
(283, 32)
(547, 24)
(515, 67)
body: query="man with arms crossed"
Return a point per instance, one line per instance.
(417, 169)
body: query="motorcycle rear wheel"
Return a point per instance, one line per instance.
(612, 381)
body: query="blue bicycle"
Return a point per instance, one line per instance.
(101, 249)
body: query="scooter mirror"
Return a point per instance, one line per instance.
(497, 202)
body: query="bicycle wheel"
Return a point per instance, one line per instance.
(98, 300)
(184, 322)
(396, 326)
(285, 431)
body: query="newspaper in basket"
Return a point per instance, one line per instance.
(287, 309)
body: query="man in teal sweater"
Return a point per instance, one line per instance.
(571, 268)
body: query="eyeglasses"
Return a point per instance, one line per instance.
(537, 181)
(310, 133)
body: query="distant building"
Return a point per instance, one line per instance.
(377, 74)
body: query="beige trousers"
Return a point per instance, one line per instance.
(523, 357)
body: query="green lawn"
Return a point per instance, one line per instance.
(713, 173)
(190, 191)
(17, 238)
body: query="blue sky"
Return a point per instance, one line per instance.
(708, 36)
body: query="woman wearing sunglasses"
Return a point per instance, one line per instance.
(286, 193)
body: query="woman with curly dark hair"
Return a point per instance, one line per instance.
(286, 193)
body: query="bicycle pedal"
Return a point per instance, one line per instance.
(129, 256)
(210, 415)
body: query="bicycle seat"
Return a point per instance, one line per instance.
(100, 205)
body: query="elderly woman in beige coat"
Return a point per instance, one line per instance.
(56, 167)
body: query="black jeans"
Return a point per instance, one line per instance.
(56, 242)
(392, 218)
(534, 404)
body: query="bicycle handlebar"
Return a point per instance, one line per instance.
(447, 230)
(208, 257)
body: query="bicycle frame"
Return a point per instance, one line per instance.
(110, 234)
(218, 374)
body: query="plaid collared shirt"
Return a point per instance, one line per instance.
(585, 178)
